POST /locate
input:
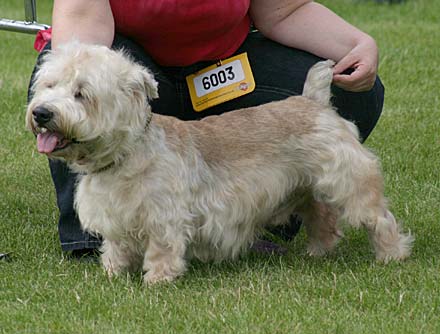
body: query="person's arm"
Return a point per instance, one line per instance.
(88, 21)
(309, 26)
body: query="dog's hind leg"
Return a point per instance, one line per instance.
(355, 188)
(388, 241)
(163, 263)
(320, 221)
(367, 205)
(385, 233)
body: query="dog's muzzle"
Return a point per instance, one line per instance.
(49, 139)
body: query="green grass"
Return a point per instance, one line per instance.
(348, 292)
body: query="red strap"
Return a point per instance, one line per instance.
(42, 38)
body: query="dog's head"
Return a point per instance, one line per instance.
(88, 100)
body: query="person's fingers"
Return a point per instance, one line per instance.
(361, 79)
(349, 61)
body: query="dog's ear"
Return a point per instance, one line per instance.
(136, 78)
(144, 80)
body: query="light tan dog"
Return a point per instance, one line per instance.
(160, 190)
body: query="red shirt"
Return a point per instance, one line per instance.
(182, 32)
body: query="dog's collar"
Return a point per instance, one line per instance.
(113, 163)
(103, 169)
(148, 122)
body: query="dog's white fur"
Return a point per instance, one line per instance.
(162, 192)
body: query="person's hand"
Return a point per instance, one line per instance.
(356, 72)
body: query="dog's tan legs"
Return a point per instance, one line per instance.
(163, 262)
(388, 241)
(116, 258)
(367, 206)
(323, 233)
(356, 189)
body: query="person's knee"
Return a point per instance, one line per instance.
(379, 91)
(374, 106)
(362, 108)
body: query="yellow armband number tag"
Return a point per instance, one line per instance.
(227, 80)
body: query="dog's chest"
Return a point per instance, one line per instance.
(109, 207)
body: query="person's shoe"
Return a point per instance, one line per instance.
(287, 232)
(5, 256)
(262, 246)
(85, 254)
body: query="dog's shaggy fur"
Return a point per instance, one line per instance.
(160, 190)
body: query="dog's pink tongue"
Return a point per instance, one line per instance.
(46, 142)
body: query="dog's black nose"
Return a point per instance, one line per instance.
(42, 115)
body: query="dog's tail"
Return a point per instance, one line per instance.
(318, 81)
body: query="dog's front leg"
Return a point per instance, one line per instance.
(117, 258)
(163, 263)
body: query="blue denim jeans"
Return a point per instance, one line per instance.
(278, 71)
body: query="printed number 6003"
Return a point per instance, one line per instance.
(221, 77)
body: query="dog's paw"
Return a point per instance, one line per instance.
(110, 272)
(315, 249)
(396, 251)
(324, 246)
(110, 269)
(152, 277)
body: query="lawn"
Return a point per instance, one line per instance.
(42, 291)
